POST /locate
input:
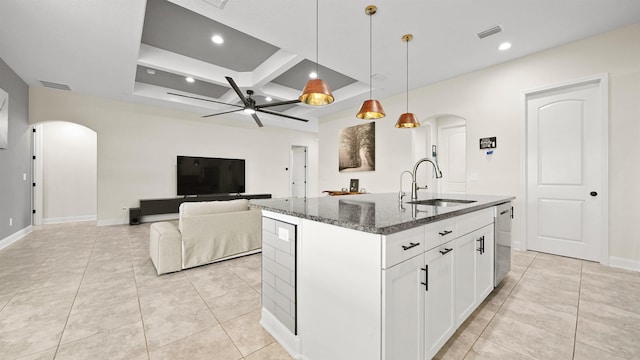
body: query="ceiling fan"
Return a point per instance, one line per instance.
(249, 104)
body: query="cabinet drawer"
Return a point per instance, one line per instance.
(440, 232)
(402, 246)
(469, 222)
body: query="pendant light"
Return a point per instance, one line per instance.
(371, 109)
(317, 91)
(407, 120)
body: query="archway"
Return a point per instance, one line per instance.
(64, 172)
(443, 138)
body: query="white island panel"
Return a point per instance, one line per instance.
(339, 287)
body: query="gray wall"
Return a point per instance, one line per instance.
(15, 193)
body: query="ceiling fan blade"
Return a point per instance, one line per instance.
(237, 90)
(278, 103)
(279, 114)
(257, 119)
(203, 99)
(220, 113)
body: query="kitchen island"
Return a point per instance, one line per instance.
(372, 277)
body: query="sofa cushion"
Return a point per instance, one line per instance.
(213, 207)
(188, 209)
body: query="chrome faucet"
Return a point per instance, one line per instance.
(414, 184)
(401, 194)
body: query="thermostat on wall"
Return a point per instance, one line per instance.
(488, 143)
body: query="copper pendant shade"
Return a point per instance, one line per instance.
(371, 109)
(317, 91)
(407, 120)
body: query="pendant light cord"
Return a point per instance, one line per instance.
(407, 75)
(317, 39)
(370, 56)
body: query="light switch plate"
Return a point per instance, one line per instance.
(283, 234)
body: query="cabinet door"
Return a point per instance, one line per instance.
(403, 304)
(439, 314)
(484, 262)
(465, 274)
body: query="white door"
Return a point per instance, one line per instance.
(299, 171)
(453, 158)
(565, 148)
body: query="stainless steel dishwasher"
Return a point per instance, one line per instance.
(502, 250)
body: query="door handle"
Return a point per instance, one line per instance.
(593, 193)
(426, 277)
(411, 245)
(446, 232)
(481, 241)
(445, 251)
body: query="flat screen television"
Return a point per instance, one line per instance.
(203, 176)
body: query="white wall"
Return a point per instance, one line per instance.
(69, 172)
(490, 101)
(138, 145)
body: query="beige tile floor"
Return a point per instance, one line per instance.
(77, 291)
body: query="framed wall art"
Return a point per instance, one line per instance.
(357, 148)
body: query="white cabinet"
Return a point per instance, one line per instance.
(426, 297)
(403, 306)
(465, 300)
(439, 322)
(484, 262)
(418, 304)
(474, 271)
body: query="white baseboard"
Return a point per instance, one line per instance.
(624, 263)
(289, 341)
(15, 237)
(67, 219)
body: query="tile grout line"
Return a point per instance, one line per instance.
(135, 280)
(214, 316)
(93, 248)
(575, 333)
(500, 307)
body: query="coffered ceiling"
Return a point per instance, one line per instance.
(139, 51)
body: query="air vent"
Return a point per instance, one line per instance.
(53, 85)
(217, 3)
(492, 31)
(379, 77)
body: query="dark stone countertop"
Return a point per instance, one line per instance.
(376, 213)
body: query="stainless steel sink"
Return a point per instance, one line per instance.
(441, 202)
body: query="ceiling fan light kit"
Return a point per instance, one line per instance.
(407, 120)
(371, 109)
(317, 91)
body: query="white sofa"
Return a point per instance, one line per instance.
(206, 232)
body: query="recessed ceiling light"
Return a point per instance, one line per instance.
(217, 39)
(504, 46)
(151, 71)
(189, 79)
(313, 75)
(268, 98)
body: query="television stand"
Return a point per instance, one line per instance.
(171, 205)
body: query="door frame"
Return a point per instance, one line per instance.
(306, 169)
(603, 85)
